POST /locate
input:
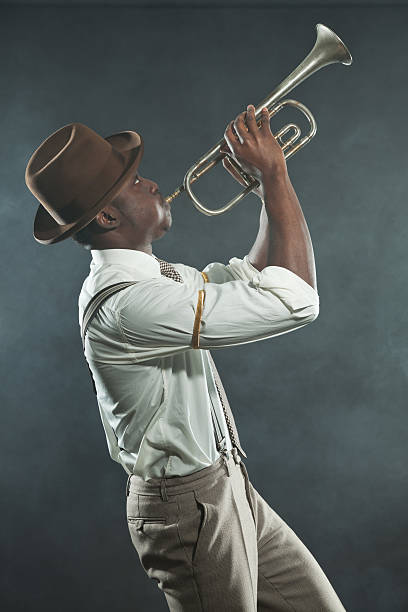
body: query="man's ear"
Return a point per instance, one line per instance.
(107, 217)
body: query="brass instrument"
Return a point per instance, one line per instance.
(328, 49)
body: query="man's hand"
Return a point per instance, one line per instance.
(254, 148)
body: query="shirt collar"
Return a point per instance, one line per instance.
(146, 265)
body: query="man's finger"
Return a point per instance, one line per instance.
(240, 127)
(230, 137)
(225, 148)
(265, 120)
(250, 119)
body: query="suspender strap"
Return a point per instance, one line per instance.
(97, 301)
(91, 310)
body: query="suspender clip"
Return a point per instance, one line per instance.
(225, 455)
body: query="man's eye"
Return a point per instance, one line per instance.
(137, 180)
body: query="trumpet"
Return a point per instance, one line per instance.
(328, 49)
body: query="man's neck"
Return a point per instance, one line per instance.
(123, 244)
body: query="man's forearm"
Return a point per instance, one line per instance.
(283, 238)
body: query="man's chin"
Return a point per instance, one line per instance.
(167, 224)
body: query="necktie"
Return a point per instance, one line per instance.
(167, 269)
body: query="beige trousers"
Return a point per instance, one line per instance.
(213, 544)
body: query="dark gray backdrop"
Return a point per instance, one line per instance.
(321, 411)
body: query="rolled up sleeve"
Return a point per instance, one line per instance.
(256, 306)
(294, 292)
(251, 306)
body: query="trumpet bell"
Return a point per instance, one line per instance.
(330, 47)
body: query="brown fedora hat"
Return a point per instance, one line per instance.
(74, 173)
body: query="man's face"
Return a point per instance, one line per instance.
(143, 209)
(137, 216)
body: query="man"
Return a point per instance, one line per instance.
(200, 528)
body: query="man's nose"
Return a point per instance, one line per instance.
(154, 188)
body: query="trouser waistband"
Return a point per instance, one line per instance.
(177, 484)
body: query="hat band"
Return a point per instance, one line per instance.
(97, 189)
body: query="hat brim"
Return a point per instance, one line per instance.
(48, 231)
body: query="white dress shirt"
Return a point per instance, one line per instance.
(152, 386)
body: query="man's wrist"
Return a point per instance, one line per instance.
(271, 180)
(275, 173)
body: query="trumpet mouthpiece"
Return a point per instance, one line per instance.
(174, 195)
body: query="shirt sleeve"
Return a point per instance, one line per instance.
(251, 307)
